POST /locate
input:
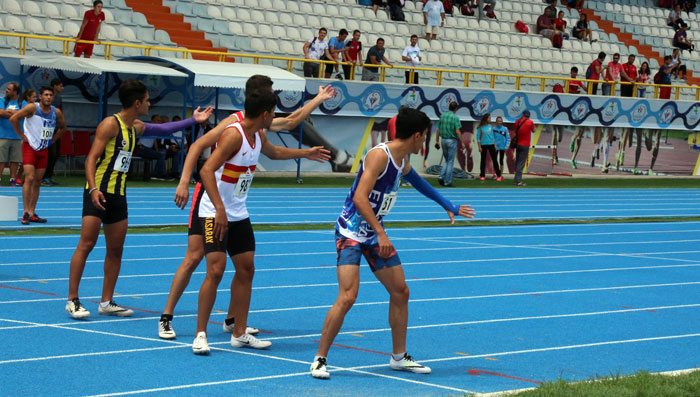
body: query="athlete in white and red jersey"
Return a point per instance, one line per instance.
(195, 246)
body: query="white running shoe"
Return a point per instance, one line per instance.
(113, 309)
(248, 330)
(248, 340)
(407, 364)
(318, 369)
(76, 309)
(165, 329)
(200, 345)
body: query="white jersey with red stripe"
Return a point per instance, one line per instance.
(233, 179)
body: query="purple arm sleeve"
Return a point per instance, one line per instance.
(167, 128)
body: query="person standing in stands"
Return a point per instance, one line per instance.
(10, 143)
(337, 49)
(90, 29)
(594, 71)
(433, 18)
(629, 75)
(375, 56)
(665, 78)
(354, 53)
(316, 48)
(411, 54)
(55, 148)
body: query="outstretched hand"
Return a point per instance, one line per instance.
(318, 153)
(464, 210)
(326, 92)
(202, 115)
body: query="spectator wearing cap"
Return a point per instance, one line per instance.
(411, 54)
(434, 18)
(680, 39)
(316, 48)
(375, 56)
(629, 75)
(524, 127)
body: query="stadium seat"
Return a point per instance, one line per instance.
(35, 26)
(12, 7)
(71, 28)
(14, 24)
(70, 12)
(31, 8)
(53, 28)
(127, 34)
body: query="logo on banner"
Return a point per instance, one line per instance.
(445, 101)
(411, 99)
(482, 105)
(693, 115)
(639, 113)
(579, 110)
(666, 115)
(548, 109)
(238, 96)
(289, 99)
(336, 100)
(373, 101)
(610, 111)
(516, 106)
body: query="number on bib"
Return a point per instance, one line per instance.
(243, 185)
(46, 133)
(387, 203)
(123, 161)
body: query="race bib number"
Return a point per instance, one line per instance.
(387, 203)
(123, 161)
(46, 133)
(243, 185)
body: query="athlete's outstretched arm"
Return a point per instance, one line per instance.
(316, 153)
(293, 120)
(148, 129)
(229, 143)
(107, 130)
(428, 191)
(182, 193)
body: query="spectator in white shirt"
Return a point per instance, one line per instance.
(315, 48)
(434, 18)
(411, 54)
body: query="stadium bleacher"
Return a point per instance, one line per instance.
(280, 28)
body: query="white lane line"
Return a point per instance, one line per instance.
(147, 349)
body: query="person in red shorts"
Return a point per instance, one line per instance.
(43, 125)
(90, 29)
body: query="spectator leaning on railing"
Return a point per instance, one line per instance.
(613, 72)
(375, 56)
(594, 71)
(337, 49)
(575, 86)
(316, 48)
(629, 75)
(411, 54)
(644, 76)
(433, 17)
(90, 29)
(353, 54)
(664, 77)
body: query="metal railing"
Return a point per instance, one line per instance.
(323, 64)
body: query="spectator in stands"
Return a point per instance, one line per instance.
(375, 56)
(482, 8)
(678, 69)
(411, 54)
(680, 39)
(147, 148)
(524, 128)
(337, 50)
(577, 4)
(434, 18)
(396, 10)
(613, 72)
(353, 54)
(545, 26)
(551, 10)
(448, 129)
(629, 74)
(10, 142)
(55, 148)
(581, 29)
(595, 68)
(376, 4)
(575, 86)
(560, 25)
(674, 18)
(665, 78)
(90, 29)
(644, 76)
(316, 48)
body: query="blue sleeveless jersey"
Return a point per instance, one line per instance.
(350, 223)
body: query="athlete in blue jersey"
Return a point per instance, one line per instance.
(360, 232)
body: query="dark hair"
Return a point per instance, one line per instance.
(574, 69)
(414, 35)
(323, 30)
(259, 101)
(453, 106)
(130, 91)
(641, 67)
(484, 120)
(617, 54)
(602, 55)
(667, 57)
(584, 15)
(380, 39)
(45, 88)
(356, 31)
(409, 121)
(631, 55)
(342, 32)
(96, 2)
(26, 94)
(257, 82)
(15, 86)
(56, 82)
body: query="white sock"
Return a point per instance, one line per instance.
(104, 304)
(317, 357)
(606, 153)
(398, 357)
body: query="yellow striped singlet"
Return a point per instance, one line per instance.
(107, 178)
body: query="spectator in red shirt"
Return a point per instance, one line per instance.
(90, 29)
(613, 72)
(353, 54)
(596, 68)
(630, 75)
(523, 129)
(560, 25)
(575, 86)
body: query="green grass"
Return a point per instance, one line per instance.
(642, 384)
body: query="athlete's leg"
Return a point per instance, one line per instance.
(241, 289)
(655, 153)
(374, 134)
(193, 256)
(576, 144)
(36, 186)
(216, 264)
(620, 156)
(597, 135)
(394, 281)
(89, 231)
(28, 187)
(348, 285)
(115, 233)
(607, 142)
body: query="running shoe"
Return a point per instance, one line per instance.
(482, 178)
(636, 171)
(248, 330)
(407, 364)
(500, 178)
(441, 182)
(13, 183)
(604, 170)
(165, 329)
(35, 218)
(46, 182)
(19, 182)
(572, 145)
(592, 161)
(622, 158)
(113, 309)
(651, 172)
(494, 176)
(318, 369)
(25, 219)
(200, 345)
(76, 309)
(573, 164)
(248, 340)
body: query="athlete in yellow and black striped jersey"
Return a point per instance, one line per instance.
(113, 164)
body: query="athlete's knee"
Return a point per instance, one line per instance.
(401, 294)
(245, 273)
(346, 300)
(115, 250)
(192, 260)
(86, 244)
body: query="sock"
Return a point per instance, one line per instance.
(317, 357)
(229, 321)
(606, 154)
(104, 304)
(398, 357)
(168, 317)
